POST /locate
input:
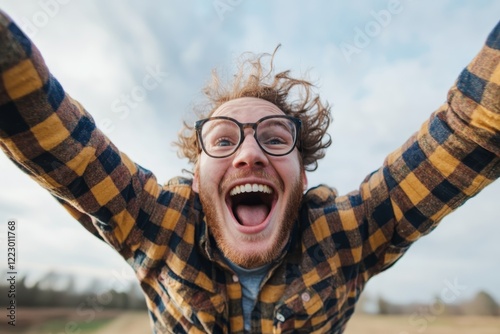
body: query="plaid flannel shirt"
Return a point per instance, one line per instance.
(339, 242)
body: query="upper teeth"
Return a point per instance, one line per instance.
(248, 188)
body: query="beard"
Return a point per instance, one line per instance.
(260, 257)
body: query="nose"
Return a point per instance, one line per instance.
(249, 154)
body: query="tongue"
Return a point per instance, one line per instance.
(251, 215)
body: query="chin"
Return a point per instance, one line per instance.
(253, 251)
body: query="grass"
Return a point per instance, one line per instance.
(64, 326)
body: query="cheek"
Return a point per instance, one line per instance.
(209, 172)
(289, 169)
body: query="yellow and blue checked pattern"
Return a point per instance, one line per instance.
(338, 242)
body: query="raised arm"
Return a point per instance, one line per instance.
(52, 138)
(454, 155)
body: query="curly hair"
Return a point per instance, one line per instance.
(295, 97)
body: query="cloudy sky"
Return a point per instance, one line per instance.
(384, 65)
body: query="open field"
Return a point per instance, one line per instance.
(407, 324)
(59, 321)
(77, 321)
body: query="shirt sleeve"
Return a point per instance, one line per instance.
(54, 139)
(450, 159)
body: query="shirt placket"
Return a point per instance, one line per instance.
(235, 293)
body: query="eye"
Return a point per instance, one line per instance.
(223, 142)
(220, 136)
(275, 136)
(274, 141)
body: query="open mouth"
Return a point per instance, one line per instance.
(251, 204)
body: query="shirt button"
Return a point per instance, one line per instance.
(305, 297)
(235, 278)
(280, 317)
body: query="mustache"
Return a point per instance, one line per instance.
(258, 173)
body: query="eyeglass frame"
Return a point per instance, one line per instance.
(198, 125)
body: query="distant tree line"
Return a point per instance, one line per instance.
(54, 290)
(482, 304)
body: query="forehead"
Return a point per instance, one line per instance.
(247, 109)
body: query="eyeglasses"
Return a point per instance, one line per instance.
(221, 136)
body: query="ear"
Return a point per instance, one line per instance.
(196, 182)
(304, 180)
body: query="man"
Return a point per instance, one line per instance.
(240, 247)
